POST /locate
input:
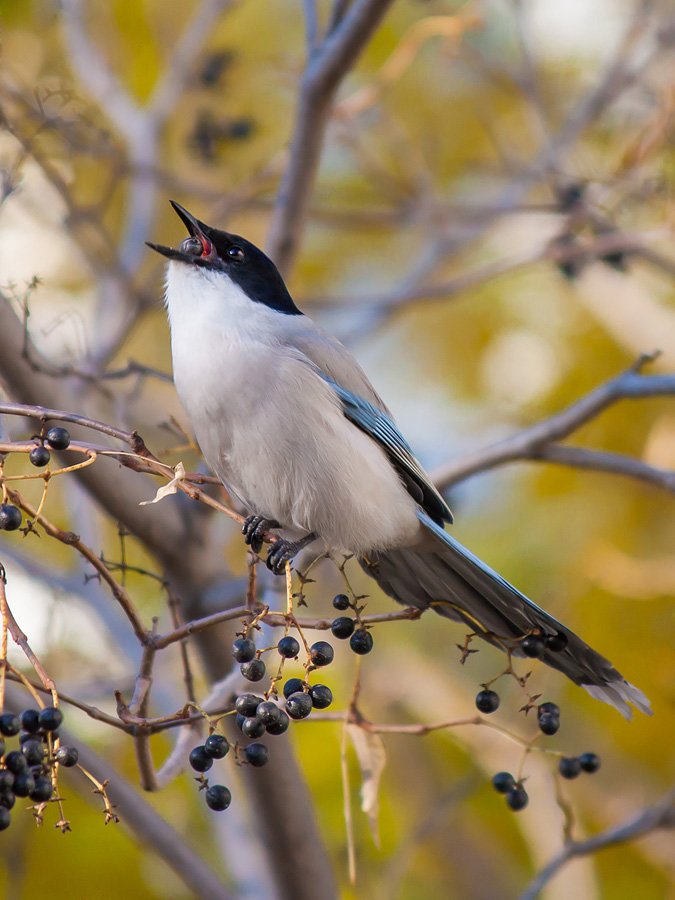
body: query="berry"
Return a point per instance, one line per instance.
(9, 724)
(533, 646)
(30, 720)
(589, 762)
(39, 456)
(569, 767)
(253, 670)
(517, 798)
(361, 641)
(321, 653)
(288, 647)
(10, 517)
(24, 784)
(58, 438)
(343, 627)
(549, 724)
(5, 819)
(341, 601)
(268, 712)
(247, 704)
(216, 746)
(50, 718)
(548, 709)
(281, 725)
(293, 686)
(556, 642)
(67, 756)
(218, 797)
(16, 762)
(6, 781)
(34, 752)
(253, 727)
(243, 650)
(257, 754)
(200, 759)
(239, 720)
(42, 790)
(503, 782)
(321, 695)
(298, 705)
(487, 701)
(7, 799)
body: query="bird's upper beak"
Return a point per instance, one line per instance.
(196, 229)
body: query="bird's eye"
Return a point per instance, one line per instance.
(192, 246)
(235, 253)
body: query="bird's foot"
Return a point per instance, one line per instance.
(254, 529)
(283, 551)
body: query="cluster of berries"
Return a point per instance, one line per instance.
(58, 439)
(26, 772)
(360, 639)
(218, 797)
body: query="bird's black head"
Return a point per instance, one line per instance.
(239, 259)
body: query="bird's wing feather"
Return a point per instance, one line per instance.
(380, 427)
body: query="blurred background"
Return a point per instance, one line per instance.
(490, 232)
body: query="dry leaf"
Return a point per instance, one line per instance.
(372, 758)
(170, 488)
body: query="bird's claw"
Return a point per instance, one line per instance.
(254, 529)
(279, 554)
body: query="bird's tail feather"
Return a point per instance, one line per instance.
(443, 575)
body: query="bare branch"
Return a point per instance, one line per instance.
(658, 816)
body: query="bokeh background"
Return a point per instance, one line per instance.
(469, 142)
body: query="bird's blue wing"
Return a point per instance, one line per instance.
(379, 426)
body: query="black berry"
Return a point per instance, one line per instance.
(247, 704)
(487, 701)
(503, 782)
(30, 720)
(589, 762)
(361, 642)
(321, 695)
(10, 517)
(42, 790)
(9, 724)
(39, 456)
(288, 647)
(16, 762)
(343, 627)
(299, 706)
(556, 642)
(50, 718)
(569, 767)
(253, 670)
(58, 438)
(517, 798)
(243, 650)
(257, 754)
(34, 752)
(268, 712)
(321, 653)
(67, 756)
(7, 799)
(341, 601)
(216, 746)
(239, 720)
(24, 784)
(548, 709)
(253, 727)
(549, 724)
(6, 781)
(281, 725)
(292, 686)
(218, 797)
(533, 646)
(200, 759)
(5, 818)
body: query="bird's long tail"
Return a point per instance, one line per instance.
(443, 575)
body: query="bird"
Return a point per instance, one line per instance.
(290, 424)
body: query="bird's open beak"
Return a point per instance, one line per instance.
(196, 229)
